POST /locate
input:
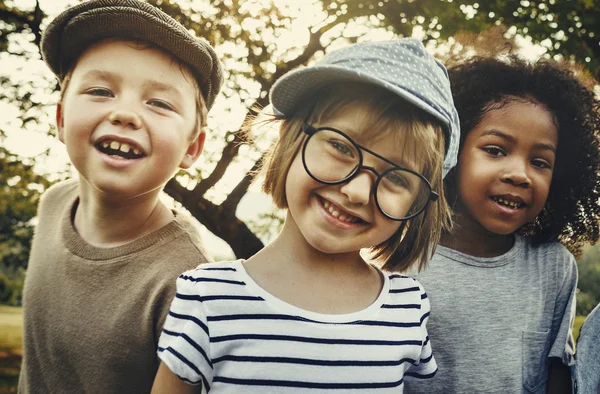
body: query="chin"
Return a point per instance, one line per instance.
(324, 245)
(502, 229)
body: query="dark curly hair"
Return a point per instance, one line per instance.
(572, 211)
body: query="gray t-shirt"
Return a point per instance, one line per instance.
(588, 354)
(495, 321)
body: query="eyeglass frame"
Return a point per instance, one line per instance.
(310, 130)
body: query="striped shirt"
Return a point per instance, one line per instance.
(230, 335)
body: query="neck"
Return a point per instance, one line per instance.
(103, 222)
(474, 240)
(294, 271)
(291, 248)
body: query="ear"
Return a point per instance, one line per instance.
(60, 123)
(193, 151)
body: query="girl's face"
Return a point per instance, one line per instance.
(505, 168)
(343, 218)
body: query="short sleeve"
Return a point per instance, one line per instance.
(184, 344)
(588, 349)
(564, 315)
(426, 366)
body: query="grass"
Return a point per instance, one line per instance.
(11, 327)
(577, 326)
(11, 347)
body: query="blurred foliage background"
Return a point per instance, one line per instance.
(257, 41)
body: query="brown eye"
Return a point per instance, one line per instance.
(494, 151)
(540, 163)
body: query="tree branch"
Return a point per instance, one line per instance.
(234, 198)
(229, 153)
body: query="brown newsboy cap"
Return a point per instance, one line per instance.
(75, 29)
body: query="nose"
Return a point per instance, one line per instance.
(358, 189)
(516, 174)
(125, 118)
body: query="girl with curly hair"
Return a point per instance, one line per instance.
(525, 196)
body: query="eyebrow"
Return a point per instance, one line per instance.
(161, 87)
(511, 139)
(104, 75)
(395, 161)
(148, 85)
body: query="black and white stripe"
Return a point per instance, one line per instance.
(228, 334)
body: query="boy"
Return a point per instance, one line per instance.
(135, 89)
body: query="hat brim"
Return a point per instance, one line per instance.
(72, 32)
(289, 91)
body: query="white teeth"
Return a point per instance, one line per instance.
(120, 146)
(125, 148)
(512, 204)
(337, 214)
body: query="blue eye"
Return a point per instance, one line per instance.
(100, 92)
(342, 147)
(397, 179)
(161, 104)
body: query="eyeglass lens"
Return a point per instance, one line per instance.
(331, 157)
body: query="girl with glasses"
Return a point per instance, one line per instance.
(366, 136)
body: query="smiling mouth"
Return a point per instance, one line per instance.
(338, 213)
(121, 150)
(508, 203)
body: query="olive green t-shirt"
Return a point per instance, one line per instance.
(93, 316)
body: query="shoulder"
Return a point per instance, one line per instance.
(550, 254)
(190, 226)
(55, 205)
(210, 276)
(220, 271)
(549, 249)
(409, 289)
(591, 324)
(401, 281)
(182, 244)
(60, 192)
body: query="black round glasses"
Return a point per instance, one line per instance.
(331, 157)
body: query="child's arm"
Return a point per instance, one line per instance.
(184, 343)
(562, 349)
(426, 366)
(559, 378)
(167, 382)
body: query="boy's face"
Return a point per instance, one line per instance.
(128, 117)
(505, 168)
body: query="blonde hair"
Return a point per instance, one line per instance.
(201, 109)
(422, 141)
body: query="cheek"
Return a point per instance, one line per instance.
(296, 171)
(388, 228)
(543, 188)
(392, 227)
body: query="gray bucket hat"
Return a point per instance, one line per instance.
(402, 66)
(74, 30)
